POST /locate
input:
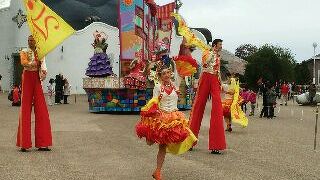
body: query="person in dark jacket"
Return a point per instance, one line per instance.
(0, 84)
(271, 101)
(58, 89)
(312, 93)
(263, 89)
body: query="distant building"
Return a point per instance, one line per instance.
(310, 67)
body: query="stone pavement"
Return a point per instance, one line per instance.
(104, 146)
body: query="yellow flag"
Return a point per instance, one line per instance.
(186, 32)
(237, 115)
(48, 29)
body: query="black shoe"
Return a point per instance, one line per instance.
(216, 152)
(191, 149)
(23, 150)
(44, 149)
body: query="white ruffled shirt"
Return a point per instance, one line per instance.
(168, 102)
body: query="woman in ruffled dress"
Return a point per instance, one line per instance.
(100, 63)
(231, 104)
(162, 123)
(136, 79)
(227, 102)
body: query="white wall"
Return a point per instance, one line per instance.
(6, 47)
(10, 39)
(77, 51)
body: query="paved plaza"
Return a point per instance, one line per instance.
(91, 146)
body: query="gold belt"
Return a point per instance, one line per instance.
(30, 69)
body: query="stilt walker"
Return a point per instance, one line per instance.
(34, 72)
(209, 83)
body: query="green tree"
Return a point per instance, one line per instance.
(271, 63)
(245, 50)
(302, 73)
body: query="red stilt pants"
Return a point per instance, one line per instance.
(209, 84)
(32, 92)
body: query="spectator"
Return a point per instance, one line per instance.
(66, 91)
(51, 92)
(284, 93)
(16, 96)
(271, 102)
(312, 93)
(263, 89)
(0, 84)
(277, 90)
(290, 91)
(299, 89)
(252, 98)
(58, 89)
(244, 95)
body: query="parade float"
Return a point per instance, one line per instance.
(145, 34)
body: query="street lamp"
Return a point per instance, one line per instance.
(314, 62)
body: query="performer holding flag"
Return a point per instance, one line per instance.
(48, 30)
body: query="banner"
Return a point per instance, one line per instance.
(48, 29)
(237, 115)
(190, 37)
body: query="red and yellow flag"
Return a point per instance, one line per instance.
(47, 28)
(237, 115)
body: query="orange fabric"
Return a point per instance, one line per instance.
(186, 65)
(24, 58)
(25, 61)
(165, 128)
(226, 105)
(205, 56)
(166, 120)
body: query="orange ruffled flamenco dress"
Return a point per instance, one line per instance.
(162, 123)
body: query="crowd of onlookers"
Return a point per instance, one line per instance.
(57, 90)
(248, 97)
(282, 90)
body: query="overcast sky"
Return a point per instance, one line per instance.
(293, 24)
